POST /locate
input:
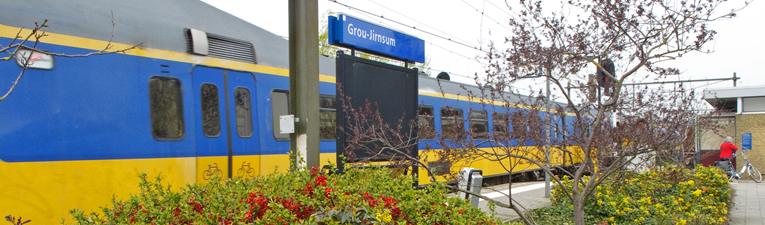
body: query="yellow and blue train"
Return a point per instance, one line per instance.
(198, 97)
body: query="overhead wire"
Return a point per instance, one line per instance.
(455, 53)
(409, 26)
(424, 24)
(433, 44)
(376, 17)
(500, 9)
(483, 14)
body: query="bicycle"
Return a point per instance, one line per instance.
(753, 172)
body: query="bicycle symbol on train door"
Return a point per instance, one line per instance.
(211, 171)
(246, 170)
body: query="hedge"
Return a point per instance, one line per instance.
(660, 196)
(360, 196)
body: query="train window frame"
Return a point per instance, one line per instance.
(247, 114)
(204, 107)
(275, 116)
(472, 121)
(181, 123)
(327, 110)
(431, 118)
(460, 122)
(504, 122)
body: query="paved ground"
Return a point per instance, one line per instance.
(748, 200)
(748, 203)
(530, 195)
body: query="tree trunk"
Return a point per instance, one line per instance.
(578, 210)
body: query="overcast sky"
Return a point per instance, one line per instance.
(738, 46)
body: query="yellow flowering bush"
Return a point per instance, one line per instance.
(661, 196)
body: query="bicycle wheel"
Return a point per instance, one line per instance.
(755, 174)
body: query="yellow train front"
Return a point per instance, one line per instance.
(77, 131)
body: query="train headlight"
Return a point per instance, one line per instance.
(37, 60)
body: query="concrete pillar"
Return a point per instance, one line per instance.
(304, 79)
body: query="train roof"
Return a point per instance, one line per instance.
(163, 25)
(155, 24)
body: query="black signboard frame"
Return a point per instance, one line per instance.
(393, 88)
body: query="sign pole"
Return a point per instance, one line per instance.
(304, 81)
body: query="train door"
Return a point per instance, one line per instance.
(226, 135)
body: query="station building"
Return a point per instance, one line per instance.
(743, 118)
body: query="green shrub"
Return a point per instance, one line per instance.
(662, 196)
(361, 196)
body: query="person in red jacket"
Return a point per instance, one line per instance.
(727, 153)
(727, 150)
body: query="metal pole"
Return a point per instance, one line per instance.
(680, 81)
(568, 89)
(304, 81)
(549, 127)
(734, 79)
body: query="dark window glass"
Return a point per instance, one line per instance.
(501, 124)
(243, 109)
(452, 123)
(279, 107)
(165, 103)
(210, 110)
(327, 118)
(479, 124)
(426, 123)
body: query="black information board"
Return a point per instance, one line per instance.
(393, 88)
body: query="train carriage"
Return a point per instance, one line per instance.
(77, 133)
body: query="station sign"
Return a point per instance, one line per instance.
(358, 34)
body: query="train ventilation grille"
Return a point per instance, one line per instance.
(227, 48)
(203, 43)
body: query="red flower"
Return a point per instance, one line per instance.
(328, 191)
(314, 170)
(321, 180)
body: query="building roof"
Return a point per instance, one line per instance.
(727, 98)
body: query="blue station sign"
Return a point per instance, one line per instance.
(354, 33)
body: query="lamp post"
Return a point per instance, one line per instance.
(549, 134)
(548, 126)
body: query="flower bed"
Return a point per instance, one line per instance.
(663, 196)
(361, 196)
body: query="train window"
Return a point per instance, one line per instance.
(452, 123)
(243, 109)
(425, 122)
(327, 118)
(279, 107)
(501, 124)
(519, 126)
(479, 124)
(166, 108)
(210, 110)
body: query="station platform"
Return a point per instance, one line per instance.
(530, 195)
(748, 200)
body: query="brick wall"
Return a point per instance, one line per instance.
(755, 124)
